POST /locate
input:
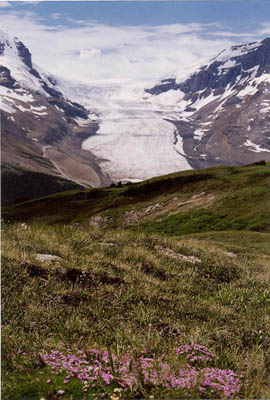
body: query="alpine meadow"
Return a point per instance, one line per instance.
(135, 176)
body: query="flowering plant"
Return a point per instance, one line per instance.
(103, 374)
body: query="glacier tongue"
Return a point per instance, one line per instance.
(136, 148)
(134, 141)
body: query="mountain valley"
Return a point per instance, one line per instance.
(136, 230)
(94, 135)
(135, 271)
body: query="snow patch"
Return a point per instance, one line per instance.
(22, 108)
(40, 113)
(169, 97)
(58, 108)
(262, 78)
(179, 145)
(6, 106)
(228, 64)
(21, 95)
(38, 108)
(236, 51)
(204, 101)
(198, 134)
(247, 91)
(265, 110)
(81, 121)
(206, 123)
(256, 148)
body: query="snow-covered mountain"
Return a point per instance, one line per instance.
(42, 129)
(219, 114)
(223, 107)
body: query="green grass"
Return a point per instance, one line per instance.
(136, 294)
(139, 290)
(204, 220)
(241, 202)
(237, 241)
(199, 220)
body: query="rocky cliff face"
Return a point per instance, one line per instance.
(226, 69)
(6, 79)
(24, 53)
(223, 108)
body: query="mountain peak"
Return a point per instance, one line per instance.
(242, 50)
(262, 43)
(12, 46)
(227, 68)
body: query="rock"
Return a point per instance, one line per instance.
(47, 258)
(78, 226)
(103, 244)
(152, 208)
(157, 206)
(183, 204)
(147, 210)
(24, 226)
(178, 256)
(196, 196)
(131, 218)
(24, 53)
(97, 221)
(6, 79)
(229, 254)
(191, 259)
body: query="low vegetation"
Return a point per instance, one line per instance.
(138, 303)
(228, 198)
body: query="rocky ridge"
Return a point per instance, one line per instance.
(42, 129)
(223, 108)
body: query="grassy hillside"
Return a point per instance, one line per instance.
(164, 295)
(214, 199)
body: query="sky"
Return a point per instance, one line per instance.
(131, 41)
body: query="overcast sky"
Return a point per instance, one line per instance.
(131, 41)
